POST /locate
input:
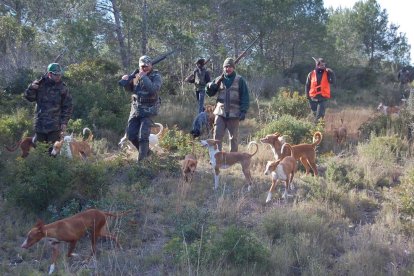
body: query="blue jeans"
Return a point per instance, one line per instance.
(200, 94)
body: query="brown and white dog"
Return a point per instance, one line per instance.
(283, 170)
(25, 145)
(340, 133)
(74, 149)
(70, 230)
(388, 110)
(306, 153)
(153, 139)
(223, 160)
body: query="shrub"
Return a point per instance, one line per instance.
(289, 103)
(406, 194)
(13, 127)
(39, 180)
(177, 141)
(345, 174)
(297, 130)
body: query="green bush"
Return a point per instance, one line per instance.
(177, 141)
(345, 174)
(289, 103)
(406, 194)
(297, 130)
(39, 180)
(14, 126)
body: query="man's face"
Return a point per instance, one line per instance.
(321, 65)
(146, 67)
(55, 77)
(228, 69)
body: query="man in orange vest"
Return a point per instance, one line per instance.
(318, 88)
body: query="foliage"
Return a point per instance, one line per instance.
(175, 140)
(295, 129)
(189, 223)
(290, 104)
(14, 126)
(406, 194)
(345, 174)
(39, 180)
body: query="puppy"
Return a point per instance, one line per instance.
(25, 145)
(74, 149)
(283, 170)
(189, 165)
(306, 153)
(388, 110)
(223, 160)
(340, 134)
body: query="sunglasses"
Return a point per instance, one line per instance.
(56, 74)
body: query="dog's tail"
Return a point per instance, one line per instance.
(249, 146)
(161, 129)
(118, 214)
(13, 148)
(90, 137)
(317, 138)
(288, 146)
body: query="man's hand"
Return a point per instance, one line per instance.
(35, 85)
(219, 80)
(125, 77)
(242, 116)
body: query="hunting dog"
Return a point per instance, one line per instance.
(283, 170)
(70, 230)
(223, 160)
(203, 122)
(74, 149)
(306, 153)
(340, 133)
(153, 139)
(25, 145)
(189, 165)
(388, 110)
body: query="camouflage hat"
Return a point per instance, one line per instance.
(54, 68)
(200, 61)
(145, 60)
(229, 62)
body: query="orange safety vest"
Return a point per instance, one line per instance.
(325, 89)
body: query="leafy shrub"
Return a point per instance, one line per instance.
(13, 127)
(39, 180)
(376, 125)
(289, 103)
(175, 140)
(406, 194)
(345, 174)
(189, 222)
(297, 130)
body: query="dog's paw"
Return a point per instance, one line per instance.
(51, 269)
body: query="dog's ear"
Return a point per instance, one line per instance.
(40, 224)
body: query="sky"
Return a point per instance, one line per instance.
(399, 13)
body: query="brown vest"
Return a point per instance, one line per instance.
(228, 100)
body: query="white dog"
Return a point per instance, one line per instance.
(153, 139)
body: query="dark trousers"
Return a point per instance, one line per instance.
(50, 138)
(200, 94)
(318, 108)
(138, 132)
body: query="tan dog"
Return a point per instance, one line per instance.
(282, 170)
(223, 160)
(189, 165)
(70, 230)
(304, 152)
(25, 145)
(340, 133)
(74, 149)
(388, 110)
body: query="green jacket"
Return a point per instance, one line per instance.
(53, 105)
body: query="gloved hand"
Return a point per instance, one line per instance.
(34, 85)
(219, 80)
(242, 116)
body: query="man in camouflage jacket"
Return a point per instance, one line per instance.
(232, 103)
(145, 104)
(53, 104)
